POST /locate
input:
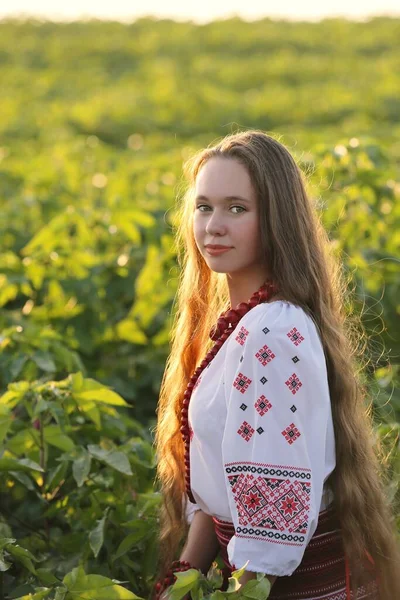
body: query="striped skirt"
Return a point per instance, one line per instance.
(323, 573)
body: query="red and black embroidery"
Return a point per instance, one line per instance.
(295, 336)
(265, 355)
(241, 383)
(246, 431)
(294, 383)
(262, 405)
(272, 501)
(291, 433)
(242, 335)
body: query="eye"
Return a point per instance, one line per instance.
(241, 208)
(200, 206)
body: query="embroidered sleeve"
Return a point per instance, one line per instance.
(273, 447)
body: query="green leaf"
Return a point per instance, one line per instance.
(44, 361)
(217, 595)
(41, 406)
(37, 596)
(94, 587)
(54, 436)
(19, 552)
(4, 541)
(22, 464)
(56, 476)
(24, 441)
(5, 424)
(23, 556)
(4, 565)
(77, 381)
(133, 538)
(81, 468)
(16, 366)
(128, 330)
(186, 581)
(113, 458)
(239, 572)
(214, 576)
(177, 594)
(96, 536)
(60, 594)
(113, 592)
(46, 576)
(233, 585)
(24, 479)
(15, 393)
(256, 589)
(189, 577)
(93, 390)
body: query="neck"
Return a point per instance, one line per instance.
(241, 288)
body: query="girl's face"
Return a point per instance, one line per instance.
(226, 214)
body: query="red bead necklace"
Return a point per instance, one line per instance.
(219, 333)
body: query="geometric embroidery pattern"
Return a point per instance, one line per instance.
(295, 336)
(241, 383)
(265, 355)
(262, 405)
(241, 336)
(272, 501)
(246, 431)
(291, 433)
(294, 383)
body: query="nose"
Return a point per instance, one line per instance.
(215, 224)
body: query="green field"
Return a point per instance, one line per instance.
(96, 119)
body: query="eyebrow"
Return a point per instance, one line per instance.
(226, 199)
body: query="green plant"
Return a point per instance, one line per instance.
(76, 486)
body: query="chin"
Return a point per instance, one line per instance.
(216, 270)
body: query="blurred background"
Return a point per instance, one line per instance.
(100, 106)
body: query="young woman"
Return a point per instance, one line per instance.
(264, 441)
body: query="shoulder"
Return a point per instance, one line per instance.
(278, 314)
(279, 321)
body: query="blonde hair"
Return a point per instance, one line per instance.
(306, 273)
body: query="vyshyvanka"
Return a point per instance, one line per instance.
(262, 448)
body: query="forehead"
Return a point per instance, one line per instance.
(220, 177)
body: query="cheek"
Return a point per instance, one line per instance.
(249, 230)
(197, 229)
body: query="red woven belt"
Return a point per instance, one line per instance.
(323, 570)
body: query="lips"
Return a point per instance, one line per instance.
(217, 247)
(216, 251)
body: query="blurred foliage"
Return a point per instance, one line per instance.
(96, 119)
(76, 488)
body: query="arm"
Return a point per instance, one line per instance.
(202, 545)
(275, 439)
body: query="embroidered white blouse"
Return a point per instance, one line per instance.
(262, 439)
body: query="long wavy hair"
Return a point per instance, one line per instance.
(308, 273)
